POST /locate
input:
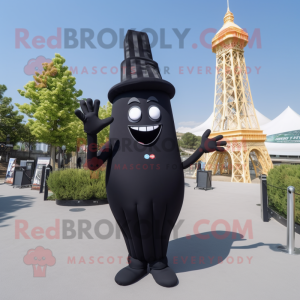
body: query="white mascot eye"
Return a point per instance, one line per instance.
(135, 114)
(154, 113)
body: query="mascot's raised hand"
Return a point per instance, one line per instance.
(89, 117)
(207, 145)
(210, 145)
(92, 126)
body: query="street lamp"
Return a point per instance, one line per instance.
(8, 147)
(63, 147)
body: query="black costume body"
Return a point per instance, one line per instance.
(145, 195)
(144, 174)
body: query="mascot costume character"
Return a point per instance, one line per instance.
(144, 173)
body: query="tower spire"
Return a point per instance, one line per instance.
(234, 112)
(229, 17)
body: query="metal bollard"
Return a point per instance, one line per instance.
(264, 198)
(290, 248)
(47, 172)
(42, 179)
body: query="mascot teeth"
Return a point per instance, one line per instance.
(144, 128)
(145, 135)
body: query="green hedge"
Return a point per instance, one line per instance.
(77, 184)
(283, 176)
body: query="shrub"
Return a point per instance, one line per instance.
(190, 141)
(283, 176)
(77, 184)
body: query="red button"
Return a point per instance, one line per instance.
(152, 156)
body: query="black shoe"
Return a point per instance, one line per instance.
(132, 273)
(163, 274)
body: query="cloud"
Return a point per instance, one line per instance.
(35, 65)
(190, 124)
(187, 126)
(183, 129)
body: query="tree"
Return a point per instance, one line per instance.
(190, 141)
(198, 143)
(10, 120)
(53, 100)
(27, 138)
(104, 112)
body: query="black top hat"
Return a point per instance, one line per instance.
(138, 70)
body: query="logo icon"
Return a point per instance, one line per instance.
(35, 65)
(39, 258)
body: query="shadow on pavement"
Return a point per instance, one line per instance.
(193, 253)
(10, 204)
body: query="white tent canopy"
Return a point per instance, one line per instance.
(262, 120)
(283, 149)
(202, 127)
(199, 130)
(287, 121)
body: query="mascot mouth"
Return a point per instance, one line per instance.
(145, 135)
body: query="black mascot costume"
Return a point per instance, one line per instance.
(144, 174)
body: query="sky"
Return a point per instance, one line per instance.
(272, 57)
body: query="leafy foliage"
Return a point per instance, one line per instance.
(27, 139)
(283, 176)
(77, 184)
(190, 141)
(53, 100)
(104, 112)
(10, 120)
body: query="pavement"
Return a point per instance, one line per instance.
(234, 257)
(225, 178)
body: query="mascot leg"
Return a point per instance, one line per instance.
(132, 273)
(161, 272)
(146, 225)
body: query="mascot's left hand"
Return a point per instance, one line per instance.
(210, 145)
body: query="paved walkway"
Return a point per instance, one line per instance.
(210, 267)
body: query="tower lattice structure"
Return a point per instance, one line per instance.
(234, 114)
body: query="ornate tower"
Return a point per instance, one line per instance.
(234, 113)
